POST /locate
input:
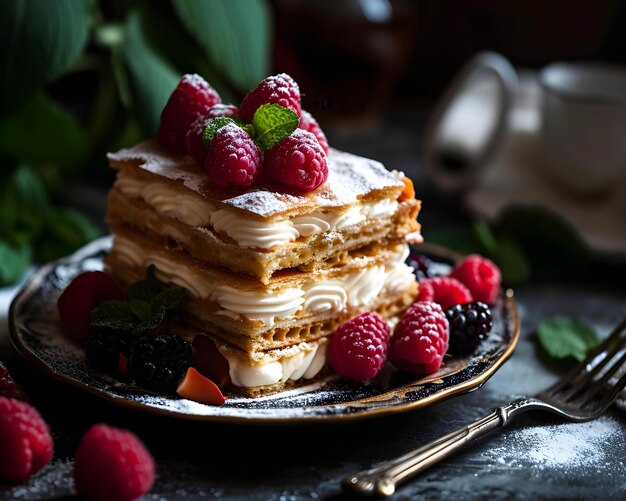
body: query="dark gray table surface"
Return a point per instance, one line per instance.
(537, 457)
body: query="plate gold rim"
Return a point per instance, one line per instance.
(465, 387)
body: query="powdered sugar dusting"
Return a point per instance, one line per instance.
(569, 446)
(351, 178)
(54, 481)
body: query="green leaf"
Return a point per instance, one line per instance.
(14, 261)
(142, 309)
(65, 230)
(564, 337)
(151, 78)
(513, 263)
(151, 323)
(273, 123)
(23, 205)
(552, 246)
(485, 236)
(212, 126)
(41, 132)
(145, 289)
(115, 315)
(168, 299)
(39, 40)
(235, 35)
(71, 227)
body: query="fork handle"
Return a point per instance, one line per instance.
(382, 480)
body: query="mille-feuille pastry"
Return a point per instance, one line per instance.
(260, 231)
(277, 239)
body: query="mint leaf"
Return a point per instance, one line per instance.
(168, 299)
(249, 128)
(151, 323)
(145, 289)
(213, 125)
(273, 123)
(114, 314)
(141, 309)
(144, 309)
(564, 337)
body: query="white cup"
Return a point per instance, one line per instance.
(467, 125)
(583, 129)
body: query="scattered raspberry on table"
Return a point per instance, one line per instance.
(112, 463)
(26, 445)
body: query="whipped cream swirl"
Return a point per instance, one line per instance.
(166, 201)
(264, 306)
(319, 296)
(249, 233)
(363, 286)
(325, 296)
(305, 364)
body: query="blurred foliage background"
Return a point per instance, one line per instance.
(80, 78)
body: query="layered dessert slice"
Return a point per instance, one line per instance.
(276, 238)
(308, 263)
(261, 231)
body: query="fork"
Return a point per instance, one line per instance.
(581, 395)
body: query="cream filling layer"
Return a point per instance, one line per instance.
(249, 233)
(306, 363)
(318, 296)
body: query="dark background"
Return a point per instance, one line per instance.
(371, 85)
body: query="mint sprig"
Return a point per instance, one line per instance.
(213, 125)
(564, 337)
(144, 309)
(272, 123)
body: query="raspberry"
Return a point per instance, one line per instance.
(8, 387)
(112, 463)
(420, 339)
(158, 362)
(469, 324)
(190, 100)
(25, 442)
(444, 290)
(358, 348)
(480, 276)
(309, 124)
(81, 296)
(194, 144)
(233, 157)
(280, 89)
(298, 160)
(222, 110)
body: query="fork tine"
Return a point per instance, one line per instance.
(580, 367)
(600, 383)
(579, 382)
(612, 395)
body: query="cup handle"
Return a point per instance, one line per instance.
(455, 174)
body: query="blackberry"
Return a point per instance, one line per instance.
(157, 362)
(104, 346)
(422, 266)
(470, 323)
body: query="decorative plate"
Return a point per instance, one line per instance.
(36, 333)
